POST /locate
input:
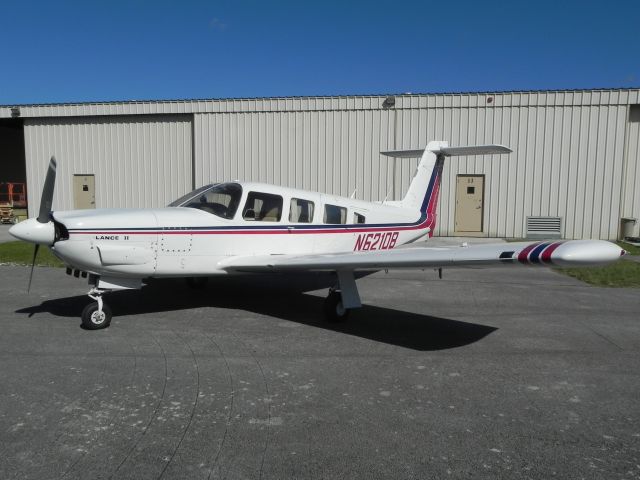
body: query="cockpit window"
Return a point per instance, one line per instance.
(183, 199)
(221, 199)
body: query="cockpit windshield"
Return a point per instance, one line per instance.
(221, 199)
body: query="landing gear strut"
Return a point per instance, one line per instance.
(96, 315)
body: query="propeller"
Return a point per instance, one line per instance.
(33, 264)
(44, 215)
(47, 192)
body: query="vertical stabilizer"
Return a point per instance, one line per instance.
(424, 190)
(425, 185)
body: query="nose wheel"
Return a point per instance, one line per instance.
(96, 315)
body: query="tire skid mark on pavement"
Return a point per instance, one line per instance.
(138, 454)
(85, 398)
(193, 408)
(114, 417)
(230, 407)
(267, 435)
(153, 414)
(250, 348)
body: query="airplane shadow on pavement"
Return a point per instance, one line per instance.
(282, 299)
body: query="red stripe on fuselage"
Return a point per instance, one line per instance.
(433, 201)
(419, 226)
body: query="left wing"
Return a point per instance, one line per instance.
(558, 253)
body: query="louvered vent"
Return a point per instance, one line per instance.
(544, 227)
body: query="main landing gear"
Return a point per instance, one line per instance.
(96, 315)
(334, 310)
(342, 298)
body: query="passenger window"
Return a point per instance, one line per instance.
(262, 207)
(357, 218)
(335, 215)
(301, 211)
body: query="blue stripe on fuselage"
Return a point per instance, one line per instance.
(321, 226)
(437, 169)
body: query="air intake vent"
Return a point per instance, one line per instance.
(544, 227)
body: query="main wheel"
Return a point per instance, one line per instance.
(334, 310)
(197, 283)
(92, 319)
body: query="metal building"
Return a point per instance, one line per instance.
(574, 173)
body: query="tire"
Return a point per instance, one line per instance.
(92, 320)
(197, 283)
(334, 312)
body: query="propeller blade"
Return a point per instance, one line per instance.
(33, 264)
(47, 192)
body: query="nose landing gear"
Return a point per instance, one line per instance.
(96, 315)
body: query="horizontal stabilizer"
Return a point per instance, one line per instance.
(404, 153)
(451, 151)
(474, 150)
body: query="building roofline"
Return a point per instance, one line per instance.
(299, 97)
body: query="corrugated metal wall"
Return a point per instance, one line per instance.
(139, 161)
(576, 154)
(327, 151)
(631, 187)
(568, 159)
(567, 162)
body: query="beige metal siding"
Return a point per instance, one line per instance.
(567, 160)
(631, 172)
(334, 152)
(576, 155)
(140, 161)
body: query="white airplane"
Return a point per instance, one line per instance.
(241, 227)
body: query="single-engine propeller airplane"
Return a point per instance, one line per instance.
(241, 227)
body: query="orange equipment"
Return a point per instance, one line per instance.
(12, 195)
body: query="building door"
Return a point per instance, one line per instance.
(469, 203)
(84, 191)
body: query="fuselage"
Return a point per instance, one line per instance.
(229, 220)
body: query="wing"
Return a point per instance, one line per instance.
(560, 253)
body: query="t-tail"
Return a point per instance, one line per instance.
(424, 189)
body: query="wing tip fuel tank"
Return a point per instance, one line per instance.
(570, 253)
(586, 253)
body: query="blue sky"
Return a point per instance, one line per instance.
(79, 51)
